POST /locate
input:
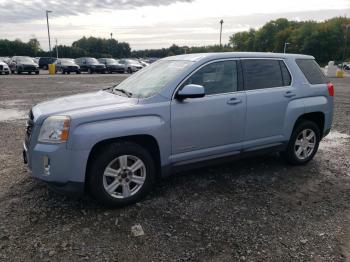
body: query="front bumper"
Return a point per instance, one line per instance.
(4, 70)
(62, 169)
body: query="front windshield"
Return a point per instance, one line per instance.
(111, 61)
(25, 60)
(153, 78)
(67, 62)
(92, 61)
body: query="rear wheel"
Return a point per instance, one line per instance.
(303, 143)
(121, 174)
(129, 70)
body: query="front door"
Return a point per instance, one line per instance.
(211, 125)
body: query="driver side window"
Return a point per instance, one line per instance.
(216, 78)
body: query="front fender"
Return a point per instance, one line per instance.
(86, 135)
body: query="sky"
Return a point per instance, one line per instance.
(153, 23)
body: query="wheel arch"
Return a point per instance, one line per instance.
(317, 117)
(146, 141)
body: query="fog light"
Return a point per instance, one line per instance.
(46, 165)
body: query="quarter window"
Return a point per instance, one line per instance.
(264, 73)
(216, 78)
(312, 71)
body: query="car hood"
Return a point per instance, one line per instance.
(2, 63)
(81, 103)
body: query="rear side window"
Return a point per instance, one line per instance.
(312, 71)
(264, 73)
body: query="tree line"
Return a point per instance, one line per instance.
(325, 40)
(91, 47)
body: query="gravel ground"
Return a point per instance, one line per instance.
(258, 209)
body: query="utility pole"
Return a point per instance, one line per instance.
(56, 49)
(221, 22)
(345, 41)
(48, 32)
(285, 47)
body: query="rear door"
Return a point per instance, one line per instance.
(267, 83)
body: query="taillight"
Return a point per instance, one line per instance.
(330, 89)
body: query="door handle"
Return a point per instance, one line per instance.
(234, 101)
(289, 94)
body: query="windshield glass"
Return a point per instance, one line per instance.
(111, 61)
(25, 60)
(92, 61)
(130, 61)
(67, 62)
(152, 79)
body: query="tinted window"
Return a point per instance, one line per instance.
(216, 78)
(287, 79)
(261, 73)
(312, 71)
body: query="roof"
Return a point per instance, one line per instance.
(210, 56)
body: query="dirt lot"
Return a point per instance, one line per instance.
(257, 209)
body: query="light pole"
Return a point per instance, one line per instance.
(345, 41)
(221, 22)
(285, 46)
(56, 49)
(48, 32)
(111, 44)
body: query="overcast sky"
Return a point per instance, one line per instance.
(153, 23)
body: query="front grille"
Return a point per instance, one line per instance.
(29, 127)
(72, 67)
(28, 67)
(1, 67)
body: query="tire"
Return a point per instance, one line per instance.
(68, 73)
(37, 72)
(90, 71)
(129, 70)
(78, 72)
(111, 155)
(7, 73)
(299, 142)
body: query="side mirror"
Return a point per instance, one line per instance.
(191, 91)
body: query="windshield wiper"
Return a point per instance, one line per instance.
(128, 94)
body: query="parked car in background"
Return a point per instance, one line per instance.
(178, 113)
(21, 64)
(130, 65)
(5, 59)
(67, 65)
(45, 61)
(346, 66)
(143, 63)
(4, 68)
(90, 65)
(36, 59)
(112, 65)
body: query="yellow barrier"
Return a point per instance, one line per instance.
(52, 69)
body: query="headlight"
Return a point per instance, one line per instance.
(55, 129)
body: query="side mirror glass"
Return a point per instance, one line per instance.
(191, 91)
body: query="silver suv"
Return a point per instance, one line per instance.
(180, 112)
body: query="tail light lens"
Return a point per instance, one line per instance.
(330, 89)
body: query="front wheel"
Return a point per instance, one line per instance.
(303, 143)
(121, 174)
